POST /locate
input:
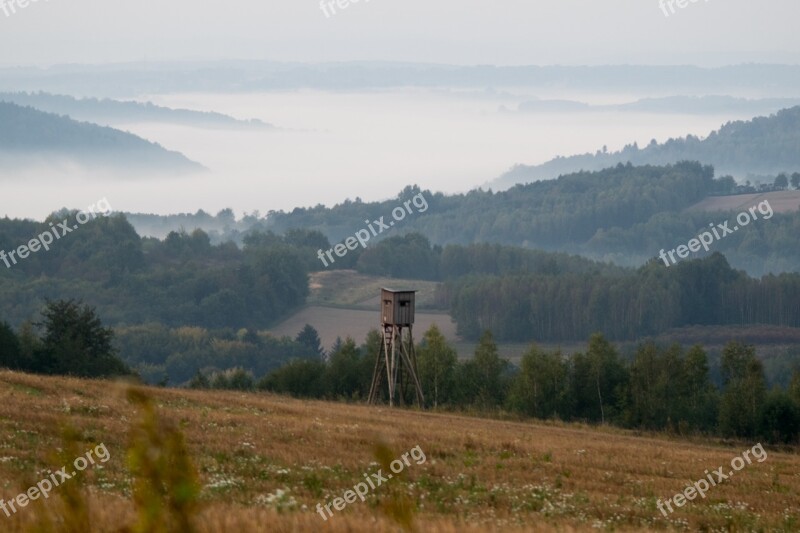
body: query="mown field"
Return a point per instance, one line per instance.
(264, 462)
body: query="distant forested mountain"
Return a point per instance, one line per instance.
(624, 214)
(109, 112)
(29, 136)
(764, 145)
(548, 214)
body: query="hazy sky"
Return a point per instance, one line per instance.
(354, 145)
(709, 32)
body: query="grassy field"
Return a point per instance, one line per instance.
(344, 302)
(332, 322)
(348, 288)
(264, 462)
(781, 202)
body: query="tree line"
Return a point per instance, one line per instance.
(662, 388)
(524, 295)
(68, 340)
(644, 302)
(182, 280)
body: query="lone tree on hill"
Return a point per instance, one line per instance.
(76, 343)
(796, 180)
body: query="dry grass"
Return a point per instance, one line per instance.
(480, 475)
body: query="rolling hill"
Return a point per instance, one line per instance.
(29, 137)
(108, 112)
(764, 145)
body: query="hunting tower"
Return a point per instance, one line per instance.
(397, 359)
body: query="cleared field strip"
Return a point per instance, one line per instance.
(781, 202)
(332, 322)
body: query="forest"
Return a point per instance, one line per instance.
(661, 388)
(518, 293)
(648, 301)
(623, 214)
(181, 280)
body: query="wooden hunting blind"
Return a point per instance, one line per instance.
(397, 359)
(398, 307)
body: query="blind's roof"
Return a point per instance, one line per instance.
(397, 290)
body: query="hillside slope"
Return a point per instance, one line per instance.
(622, 214)
(29, 136)
(764, 145)
(109, 112)
(345, 303)
(331, 322)
(781, 202)
(260, 454)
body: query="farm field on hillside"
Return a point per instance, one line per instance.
(351, 289)
(331, 322)
(781, 202)
(265, 462)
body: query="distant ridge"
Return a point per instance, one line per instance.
(126, 79)
(108, 112)
(763, 145)
(29, 137)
